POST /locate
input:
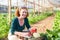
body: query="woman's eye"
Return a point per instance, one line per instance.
(24, 12)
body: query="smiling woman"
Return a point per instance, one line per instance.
(19, 23)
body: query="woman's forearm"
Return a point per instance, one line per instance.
(18, 33)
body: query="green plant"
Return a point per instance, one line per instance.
(55, 32)
(4, 27)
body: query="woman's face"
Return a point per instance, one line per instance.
(23, 13)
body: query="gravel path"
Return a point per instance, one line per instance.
(44, 24)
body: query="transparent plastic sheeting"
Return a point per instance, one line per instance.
(55, 2)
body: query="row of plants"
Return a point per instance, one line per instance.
(39, 17)
(4, 27)
(53, 34)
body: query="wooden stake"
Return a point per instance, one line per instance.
(25, 1)
(34, 6)
(38, 7)
(9, 10)
(17, 3)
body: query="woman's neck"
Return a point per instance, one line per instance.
(21, 18)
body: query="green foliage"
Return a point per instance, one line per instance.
(36, 18)
(4, 27)
(44, 35)
(57, 21)
(55, 33)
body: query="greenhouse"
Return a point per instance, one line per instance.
(29, 19)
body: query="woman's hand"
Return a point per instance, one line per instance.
(33, 30)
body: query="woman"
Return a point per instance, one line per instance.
(18, 24)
